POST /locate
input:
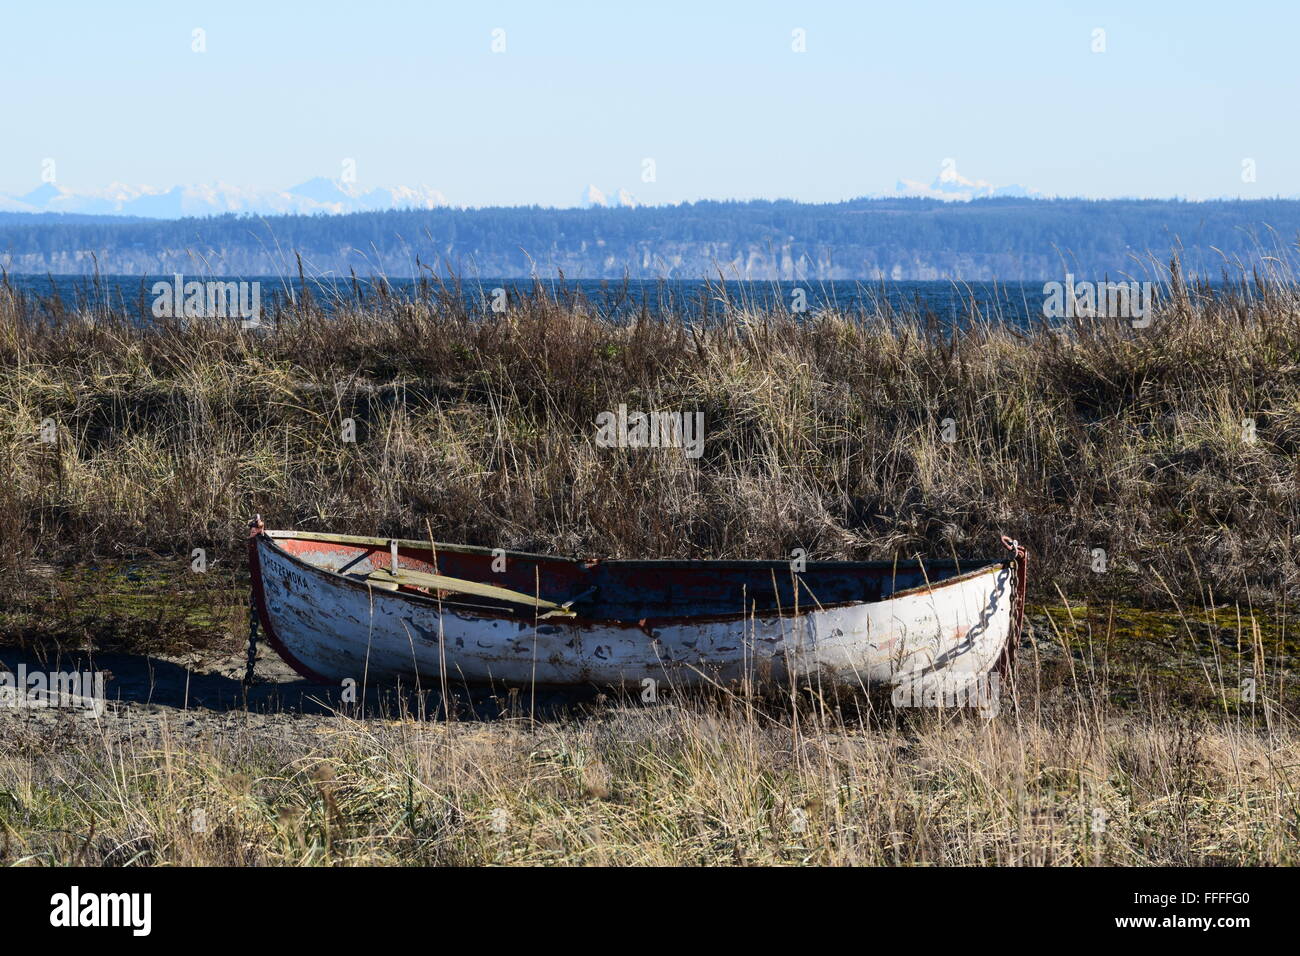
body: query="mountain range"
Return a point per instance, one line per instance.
(952, 186)
(319, 195)
(948, 186)
(336, 197)
(594, 197)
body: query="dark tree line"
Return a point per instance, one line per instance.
(864, 238)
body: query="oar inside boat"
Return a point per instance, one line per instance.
(441, 582)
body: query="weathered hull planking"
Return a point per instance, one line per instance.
(933, 628)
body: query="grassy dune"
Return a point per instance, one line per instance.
(824, 433)
(1175, 449)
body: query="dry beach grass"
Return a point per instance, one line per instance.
(1060, 784)
(1175, 448)
(824, 433)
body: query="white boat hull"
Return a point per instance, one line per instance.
(334, 628)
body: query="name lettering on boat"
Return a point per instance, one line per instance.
(288, 577)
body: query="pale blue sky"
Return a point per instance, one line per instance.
(712, 91)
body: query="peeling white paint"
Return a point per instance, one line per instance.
(341, 628)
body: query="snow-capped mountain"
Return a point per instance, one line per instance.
(336, 196)
(318, 195)
(952, 186)
(593, 197)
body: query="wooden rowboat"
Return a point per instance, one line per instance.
(339, 607)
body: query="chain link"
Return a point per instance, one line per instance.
(1019, 589)
(255, 528)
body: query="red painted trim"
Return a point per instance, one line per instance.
(279, 539)
(259, 599)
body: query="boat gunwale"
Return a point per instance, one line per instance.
(643, 624)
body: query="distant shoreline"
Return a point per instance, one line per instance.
(865, 239)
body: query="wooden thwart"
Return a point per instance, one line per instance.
(440, 582)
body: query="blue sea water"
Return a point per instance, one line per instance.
(1015, 303)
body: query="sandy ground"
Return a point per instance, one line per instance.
(191, 698)
(196, 696)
